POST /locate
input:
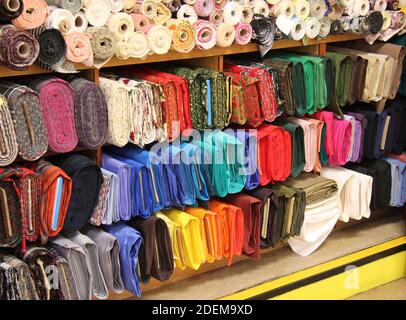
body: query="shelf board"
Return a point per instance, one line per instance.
(194, 54)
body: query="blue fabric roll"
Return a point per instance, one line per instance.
(130, 241)
(398, 188)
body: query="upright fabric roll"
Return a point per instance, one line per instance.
(90, 113)
(57, 100)
(130, 242)
(232, 228)
(76, 257)
(52, 47)
(29, 125)
(18, 49)
(34, 14)
(86, 181)
(10, 9)
(111, 212)
(39, 259)
(156, 255)
(108, 250)
(8, 138)
(55, 198)
(398, 188)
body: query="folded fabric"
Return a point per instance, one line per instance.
(192, 245)
(99, 210)
(361, 123)
(90, 113)
(398, 187)
(91, 250)
(342, 131)
(156, 254)
(328, 118)
(130, 241)
(111, 211)
(231, 228)
(57, 100)
(250, 207)
(39, 260)
(86, 181)
(16, 280)
(108, 251)
(29, 125)
(353, 194)
(320, 219)
(66, 281)
(8, 137)
(358, 77)
(402, 87)
(210, 231)
(399, 135)
(76, 257)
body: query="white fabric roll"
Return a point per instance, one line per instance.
(247, 14)
(148, 8)
(159, 39)
(60, 19)
(345, 3)
(225, 34)
(285, 24)
(163, 14)
(325, 25)
(134, 45)
(387, 20)
(285, 7)
(318, 8)
(81, 22)
(188, 13)
(380, 5)
(121, 25)
(320, 219)
(361, 8)
(272, 2)
(97, 12)
(250, 3)
(232, 13)
(116, 5)
(261, 7)
(312, 27)
(298, 30)
(302, 9)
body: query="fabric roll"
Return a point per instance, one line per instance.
(18, 49)
(205, 34)
(111, 213)
(298, 146)
(120, 24)
(204, 7)
(52, 47)
(247, 14)
(79, 48)
(97, 12)
(10, 9)
(216, 17)
(192, 248)
(29, 125)
(8, 138)
(318, 9)
(275, 154)
(16, 280)
(325, 27)
(312, 27)
(90, 109)
(261, 8)
(34, 15)
(398, 186)
(76, 257)
(174, 5)
(353, 194)
(163, 14)
(134, 45)
(225, 34)
(156, 255)
(183, 36)
(188, 13)
(60, 19)
(91, 250)
(302, 9)
(40, 259)
(141, 22)
(250, 207)
(243, 33)
(263, 30)
(232, 13)
(71, 5)
(103, 44)
(87, 176)
(159, 39)
(398, 105)
(99, 210)
(232, 222)
(57, 100)
(116, 5)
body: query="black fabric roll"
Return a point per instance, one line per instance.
(10, 9)
(398, 106)
(336, 27)
(86, 182)
(374, 20)
(155, 255)
(263, 32)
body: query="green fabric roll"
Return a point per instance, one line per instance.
(329, 80)
(298, 148)
(323, 152)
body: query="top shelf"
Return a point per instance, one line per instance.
(194, 54)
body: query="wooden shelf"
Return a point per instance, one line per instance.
(194, 54)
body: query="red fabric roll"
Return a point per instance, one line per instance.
(328, 118)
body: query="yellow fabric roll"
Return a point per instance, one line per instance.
(163, 14)
(183, 35)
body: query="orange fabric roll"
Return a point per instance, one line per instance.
(79, 48)
(210, 233)
(33, 16)
(231, 228)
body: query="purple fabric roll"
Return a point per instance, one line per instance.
(363, 122)
(357, 141)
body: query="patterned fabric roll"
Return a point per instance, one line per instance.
(100, 209)
(8, 139)
(57, 100)
(25, 110)
(90, 113)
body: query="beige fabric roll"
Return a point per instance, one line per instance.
(225, 34)
(133, 45)
(163, 14)
(121, 25)
(159, 39)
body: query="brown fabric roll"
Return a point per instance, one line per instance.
(358, 76)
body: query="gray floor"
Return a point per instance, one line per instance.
(249, 273)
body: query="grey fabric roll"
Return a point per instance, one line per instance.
(71, 5)
(92, 259)
(109, 250)
(76, 257)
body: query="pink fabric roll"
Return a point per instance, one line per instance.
(34, 15)
(216, 17)
(243, 33)
(342, 142)
(205, 34)
(141, 22)
(57, 100)
(221, 4)
(79, 48)
(327, 117)
(204, 7)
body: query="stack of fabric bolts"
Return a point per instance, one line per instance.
(57, 34)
